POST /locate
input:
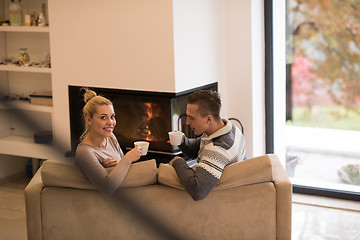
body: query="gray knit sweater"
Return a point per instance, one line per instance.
(214, 153)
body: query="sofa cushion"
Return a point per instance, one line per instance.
(58, 174)
(254, 170)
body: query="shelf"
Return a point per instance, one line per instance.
(23, 29)
(22, 105)
(14, 68)
(25, 147)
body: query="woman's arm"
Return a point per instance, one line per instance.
(97, 174)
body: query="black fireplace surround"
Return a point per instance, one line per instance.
(140, 115)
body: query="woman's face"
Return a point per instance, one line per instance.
(103, 121)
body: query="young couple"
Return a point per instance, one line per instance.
(220, 144)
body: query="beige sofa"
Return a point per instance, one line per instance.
(251, 201)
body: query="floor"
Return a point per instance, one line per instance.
(12, 209)
(317, 218)
(322, 218)
(321, 169)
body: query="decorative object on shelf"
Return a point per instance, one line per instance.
(4, 22)
(15, 97)
(6, 61)
(48, 60)
(24, 57)
(11, 97)
(41, 98)
(16, 13)
(43, 137)
(34, 22)
(42, 19)
(29, 19)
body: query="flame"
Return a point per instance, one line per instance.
(148, 111)
(144, 129)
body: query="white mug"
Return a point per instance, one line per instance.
(144, 146)
(176, 138)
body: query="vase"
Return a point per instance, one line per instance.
(16, 13)
(23, 56)
(42, 19)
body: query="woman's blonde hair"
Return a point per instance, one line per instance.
(92, 100)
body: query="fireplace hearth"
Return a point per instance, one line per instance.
(140, 115)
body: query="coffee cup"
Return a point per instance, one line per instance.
(176, 138)
(144, 146)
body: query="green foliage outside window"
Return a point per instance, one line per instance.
(324, 53)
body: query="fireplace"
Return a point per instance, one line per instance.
(140, 115)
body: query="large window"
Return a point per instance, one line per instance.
(318, 129)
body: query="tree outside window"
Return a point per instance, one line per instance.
(323, 74)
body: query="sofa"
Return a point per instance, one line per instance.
(252, 200)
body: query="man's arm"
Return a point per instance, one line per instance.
(198, 183)
(190, 147)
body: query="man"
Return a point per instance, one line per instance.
(220, 144)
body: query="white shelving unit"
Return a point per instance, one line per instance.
(15, 137)
(22, 105)
(25, 147)
(14, 68)
(23, 29)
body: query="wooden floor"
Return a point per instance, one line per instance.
(312, 217)
(12, 209)
(324, 218)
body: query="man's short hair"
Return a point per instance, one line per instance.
(209, 103)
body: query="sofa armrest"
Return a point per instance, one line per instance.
(33, 207)
(266, 168)
(284, 199)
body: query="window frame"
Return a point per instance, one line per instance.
(269, 110)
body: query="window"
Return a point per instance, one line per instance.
(315, 101)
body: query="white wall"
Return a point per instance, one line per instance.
(242, 85)
(166, 46)
(125, 44)
(196, 43)
(258, 76)
(112, 43)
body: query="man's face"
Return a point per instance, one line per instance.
(197, 123)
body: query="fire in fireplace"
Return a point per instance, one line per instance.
(149, 126)
(140, 115)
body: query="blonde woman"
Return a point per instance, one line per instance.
(99, 147)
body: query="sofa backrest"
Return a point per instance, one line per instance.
(251, 171)
(254, 170)
(58, 174)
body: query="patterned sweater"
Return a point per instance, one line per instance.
(213, 153)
